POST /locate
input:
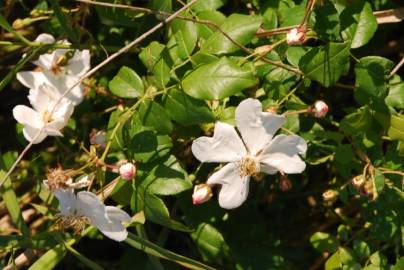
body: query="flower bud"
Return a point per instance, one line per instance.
(263, 50)
(319, 109)
(202, 193)
(127, 171)
(358, 181)
(330, 196)
(18, 24)
(296, 36)
(285, 184)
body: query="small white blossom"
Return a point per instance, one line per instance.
(127, 171)
(58, 69)
(43, 115)
(86, 207)
(258, 151)
(295, 36)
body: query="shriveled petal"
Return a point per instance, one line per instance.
(31, 134)
(112, 227)
(31, 79)
(79, 63)
(256, 127)
(282, 154)
(234, 189)
(67, 201)
(224, 146)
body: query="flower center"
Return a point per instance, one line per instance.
(57, 178)
(248, 166)
(47, 117)
(75, 223)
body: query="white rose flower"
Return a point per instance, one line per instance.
(58, 70)
(43, 100)
(258, 151)
(86, 208)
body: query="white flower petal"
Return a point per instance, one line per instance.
(45, 61)
(79, 64)
(30, 133)
(26, 115)
(31, 79)
(256, 127)
(113, 227)
(45, 38)
(268, 169)
(67, 201)
(234, 189)
(224, 146)
(89, 205)
(282, 154)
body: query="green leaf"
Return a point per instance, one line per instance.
(147, 146)
(207, 5)
(333, 262)
(379, 181)
(127, 84)
(115, 16)
(325, 64)
(209, 241)
(50, 259)
(384, 226)
(151, 114)
(395, 97)
(327, 23)
(156, 211)
(186, 36)
(371, 79)
(358, 121)
(155, 250)
(164, 180)
(295, 53)
(205, 31)
(217, 80)
(358, 24)
(185, 109)
(362, 249)
(45, 240)
(324, 242)
(157, 60)
(396, 130)
(241, 28)
(162, 5)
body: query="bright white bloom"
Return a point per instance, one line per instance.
(86, 207)
(58, 69)
(320, 109)
(43, 100)
(295, 36)
(202, 193)
(258, 151)
(127, 171)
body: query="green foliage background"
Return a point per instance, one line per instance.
(159, 96)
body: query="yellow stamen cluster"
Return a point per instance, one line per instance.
(75, 223)
(248, 166)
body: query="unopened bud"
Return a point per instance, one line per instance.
(296, 36)
(127, 171)
(320, 109)
(19, 23)
(330, 196)
(98, 137)
(358, 181)
(285, 184)
(272, 109)
(263, 50)
(202, 193)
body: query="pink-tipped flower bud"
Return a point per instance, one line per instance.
(202, 193)
(127, 171)
(285, 184)
(320, 109)
(296, 36)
